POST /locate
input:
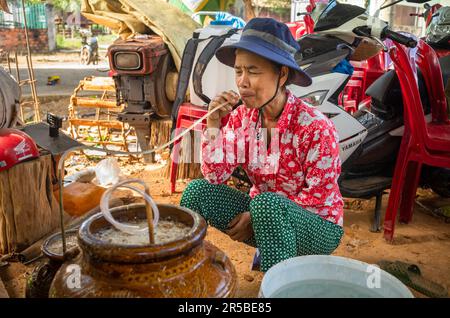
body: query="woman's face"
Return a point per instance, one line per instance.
(256, 78)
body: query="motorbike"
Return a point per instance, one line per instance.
(428, 13)
(437, 21)
(369, 139)
(89, 48)
(365, 71)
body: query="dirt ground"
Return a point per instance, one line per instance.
(56, 105)
(425, 241)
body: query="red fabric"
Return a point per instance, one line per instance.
(422, 142)
(301, 163)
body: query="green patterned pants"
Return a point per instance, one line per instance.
(282, 228)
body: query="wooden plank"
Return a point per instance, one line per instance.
(98, 84)
(115, 143)
(87, 86)
(27, 104)
(99, 80)
(94, 103)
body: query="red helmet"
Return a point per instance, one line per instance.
(15, 147)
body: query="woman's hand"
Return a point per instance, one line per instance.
(231, 98)
(240, 228)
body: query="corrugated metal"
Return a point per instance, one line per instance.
(35, 13)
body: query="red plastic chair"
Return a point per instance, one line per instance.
(309, 24)
(297, 28)
(187, 115)
(422, 143)
(351, 95)
(353, 92)
(364, 74)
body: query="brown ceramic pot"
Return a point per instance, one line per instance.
(189, 267)
(41, 278)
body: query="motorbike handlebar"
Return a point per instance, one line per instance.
(400, 38)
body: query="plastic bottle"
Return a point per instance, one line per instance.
(217, 76)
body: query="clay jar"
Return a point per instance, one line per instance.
(188, 267)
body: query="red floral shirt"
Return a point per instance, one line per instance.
(301, 162)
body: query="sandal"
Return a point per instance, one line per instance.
(410, 275)
(256, 264)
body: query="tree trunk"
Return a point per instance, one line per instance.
(50, 13)
(249, 10)
(28, 209)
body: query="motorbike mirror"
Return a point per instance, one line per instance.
(344, 48)
(426, 6)
(417, 1)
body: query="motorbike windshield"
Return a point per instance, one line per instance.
(336, 14)
(439, 28)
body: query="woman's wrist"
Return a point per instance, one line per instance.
(213, 123)
(213, 128)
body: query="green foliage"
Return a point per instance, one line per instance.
(67, 44)
(29, 2)
(75, 43)
(106, 39)
(65, 5)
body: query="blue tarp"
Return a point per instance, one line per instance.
(343, 67)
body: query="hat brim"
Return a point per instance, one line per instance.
(226, 55)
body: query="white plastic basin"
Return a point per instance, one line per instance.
(324, 276)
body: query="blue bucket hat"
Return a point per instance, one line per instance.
(269, 39)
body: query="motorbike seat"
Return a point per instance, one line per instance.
(445, 68)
